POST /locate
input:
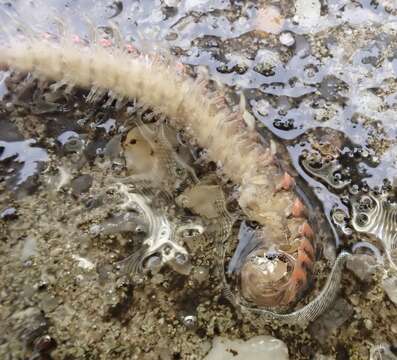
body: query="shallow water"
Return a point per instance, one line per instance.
(319, 79)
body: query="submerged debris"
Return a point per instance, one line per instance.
(259, 346)
(332, 320)
(390, 286)
(363, 266)
(377, 215)
(382, 352)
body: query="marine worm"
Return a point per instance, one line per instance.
(265, 192)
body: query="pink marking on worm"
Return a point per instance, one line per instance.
(306, 231)
(298, 209)
(220, 100)
(46, 35)
(76, 39)
(105, 43)
(131, 49)
(180, 68)
(287, 182)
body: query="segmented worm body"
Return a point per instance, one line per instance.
(275, 271)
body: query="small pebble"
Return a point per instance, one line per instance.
(44, 344)
(368, 324)
(9, 106)
(390, 287)
(190, 321)
(8, 214)
(200, 274)
(258, 347)
(287, 39)
(363, 266)
(81, 184)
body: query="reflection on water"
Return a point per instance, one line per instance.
(3, 88)
(319, 77)
(23, 152)
(336, 71)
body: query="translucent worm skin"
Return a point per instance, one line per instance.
(231, 144)
(315, 308)
(266, 193)
(311, 311)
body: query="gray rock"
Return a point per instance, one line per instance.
(286, 38)
(390, 287)
(322, 328)
(258, 347)
(363, 266)
(81, 184)
(382, 352)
